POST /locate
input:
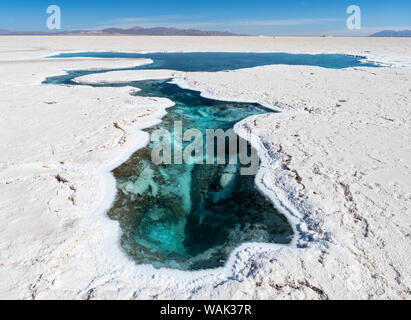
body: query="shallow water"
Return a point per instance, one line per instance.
(218, 61)
(191, 217)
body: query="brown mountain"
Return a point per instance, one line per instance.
(162, 31)
(157, 31)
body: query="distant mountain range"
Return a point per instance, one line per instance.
(163, 31)
(140, 31)
(391, 33)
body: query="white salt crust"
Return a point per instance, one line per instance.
(336, 161)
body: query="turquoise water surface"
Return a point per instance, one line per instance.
(218, 61)
(189, 216)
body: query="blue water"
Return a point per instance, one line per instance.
(182, 216)
(218, 61)
(191, 220)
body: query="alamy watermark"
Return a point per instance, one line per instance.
(214, 147)
(354, 20)
(54, 20)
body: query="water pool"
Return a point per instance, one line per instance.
(189, 216)
(218, 61)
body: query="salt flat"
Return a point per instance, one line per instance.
(337, 159)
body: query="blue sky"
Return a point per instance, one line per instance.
(265, 17)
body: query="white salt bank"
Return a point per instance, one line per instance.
(336, 160)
